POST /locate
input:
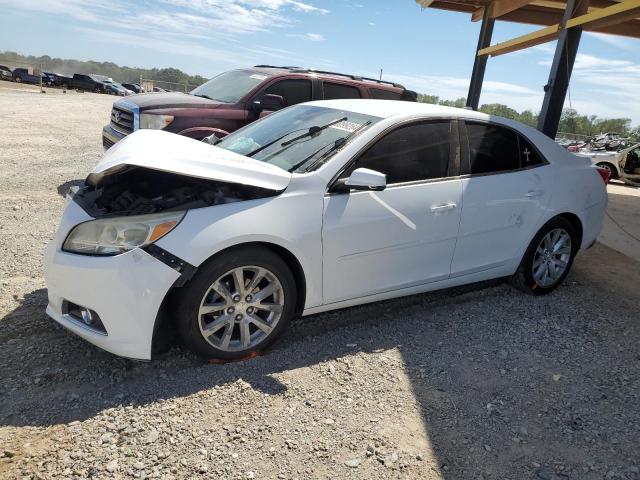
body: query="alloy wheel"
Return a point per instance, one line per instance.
(241, 308)
(551, 258)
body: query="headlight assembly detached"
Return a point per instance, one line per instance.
(112, 236)
(155, 122)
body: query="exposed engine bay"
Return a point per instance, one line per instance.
(135, 190)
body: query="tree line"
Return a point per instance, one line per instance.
(120, 74)
(570, 121)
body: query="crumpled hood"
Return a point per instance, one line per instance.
(169, 152)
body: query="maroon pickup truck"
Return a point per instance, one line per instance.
(238, 97)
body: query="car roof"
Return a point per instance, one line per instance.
(323, 74)
(402, 110)
(390, 108)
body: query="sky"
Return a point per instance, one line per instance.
(428, 50)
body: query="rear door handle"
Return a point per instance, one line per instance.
(443, 208)
(534, 193)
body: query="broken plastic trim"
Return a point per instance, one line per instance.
(184, 268)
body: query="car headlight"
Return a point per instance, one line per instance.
(113, 236)
(155, 122)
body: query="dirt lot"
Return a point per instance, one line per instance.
(472, 383)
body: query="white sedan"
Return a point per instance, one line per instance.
(320, 206)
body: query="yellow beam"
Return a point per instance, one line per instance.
(499, 8)
(607, 16)
(595, 19)
(543, 35)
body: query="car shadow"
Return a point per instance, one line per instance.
(494, 372)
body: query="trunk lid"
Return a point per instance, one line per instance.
(168, 152)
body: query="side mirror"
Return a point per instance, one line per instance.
(269, 102)
(363, 179)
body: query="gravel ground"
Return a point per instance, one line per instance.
(473, 383)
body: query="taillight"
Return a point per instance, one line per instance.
(605, 174)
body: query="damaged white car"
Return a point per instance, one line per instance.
(316, 207)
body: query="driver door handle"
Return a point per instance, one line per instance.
(443, 208)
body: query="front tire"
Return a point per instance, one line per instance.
(237, 304)
(548, 259)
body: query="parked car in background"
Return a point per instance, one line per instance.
(623, 165)
(5, 73)
(53, 79)
(236, 98)
(159, 89)
(134, 87)
(88, 83)
(320, 206)
(23, 75)
(114, 88)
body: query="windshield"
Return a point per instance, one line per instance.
(299, 138)
(230, 87)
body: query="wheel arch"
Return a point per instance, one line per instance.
(614, 168)
(575, 222)
(164, 326)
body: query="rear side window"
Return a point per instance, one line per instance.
(492, 148)
(292, 91)
(529, 156)
(334, 91)
(384, 94)
(411, 153)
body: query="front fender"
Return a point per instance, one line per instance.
(207, 231)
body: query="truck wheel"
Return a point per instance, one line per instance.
(18, 80)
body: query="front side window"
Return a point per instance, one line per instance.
(336, 91)
(492, 148)
(292, 91)
(299, 138)
(230, 87)
(411, 153)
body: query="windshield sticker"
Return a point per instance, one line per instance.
(258, 77)
(346, 126)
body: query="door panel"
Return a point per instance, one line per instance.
(499, 217)
(380, 241)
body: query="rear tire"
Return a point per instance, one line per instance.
(226, 310)
(610, 168)
(548, 259)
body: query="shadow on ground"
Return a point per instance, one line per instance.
(496, 373)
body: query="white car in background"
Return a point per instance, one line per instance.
(316, 207)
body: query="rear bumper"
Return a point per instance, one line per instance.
(110, 136)
(592, 219)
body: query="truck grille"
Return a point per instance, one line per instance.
(106, 143)
(122, 120)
